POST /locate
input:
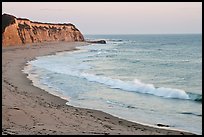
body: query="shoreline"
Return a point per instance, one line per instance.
(27, 109)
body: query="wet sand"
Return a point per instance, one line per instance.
(30, 110)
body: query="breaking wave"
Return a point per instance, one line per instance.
(131, 86)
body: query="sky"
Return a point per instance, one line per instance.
(114, 17)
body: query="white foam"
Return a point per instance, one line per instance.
(134, 86)
(137, 86)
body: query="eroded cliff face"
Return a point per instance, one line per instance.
(17, 31)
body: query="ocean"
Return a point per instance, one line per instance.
(149, 79)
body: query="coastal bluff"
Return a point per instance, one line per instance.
(19, 31)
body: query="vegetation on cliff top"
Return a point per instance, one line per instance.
(10, 19)
(7, 20)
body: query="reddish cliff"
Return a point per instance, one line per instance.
(18, 31)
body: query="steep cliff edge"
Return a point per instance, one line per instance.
(18, 31)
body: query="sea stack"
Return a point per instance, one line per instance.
(19, 31)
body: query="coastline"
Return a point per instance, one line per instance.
(27, 109)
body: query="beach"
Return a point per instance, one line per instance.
(29, 110)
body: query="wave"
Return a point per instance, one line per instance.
(115, 40)
(131, 86)
(103, 51)
(168, 43)
(186, 60)
(107, 50)
(195, 97)
(139, 87)
(191, 113)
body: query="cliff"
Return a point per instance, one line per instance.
(18, 31)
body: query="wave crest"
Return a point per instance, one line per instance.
(134, 86)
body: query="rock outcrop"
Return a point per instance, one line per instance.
(97, 41)
(19, 31)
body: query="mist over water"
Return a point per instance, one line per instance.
(149, 79)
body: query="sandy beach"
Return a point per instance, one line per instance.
(29, 110)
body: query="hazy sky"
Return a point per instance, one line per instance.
(114, 17)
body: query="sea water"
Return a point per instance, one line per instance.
(148, 79)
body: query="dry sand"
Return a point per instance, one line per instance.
(29, 110)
